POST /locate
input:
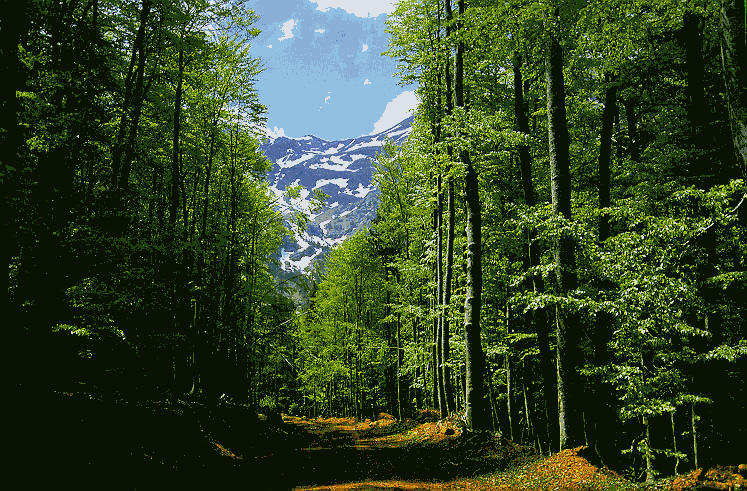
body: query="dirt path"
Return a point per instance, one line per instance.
(341, 454)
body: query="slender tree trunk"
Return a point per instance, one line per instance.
(174, 203)
(635, 149)
(138, 97)
(445, 347)
(567, 335)
(527, 412)
(434, 356)
(649, 453)
(695, 436)
(138, 53)
(439, 296)
(510, 406)
(605, 154)
(674, 442)
(399, 366)
(493, 402)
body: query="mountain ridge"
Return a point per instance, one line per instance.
(343, 170)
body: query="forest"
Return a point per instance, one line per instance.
(558, 254)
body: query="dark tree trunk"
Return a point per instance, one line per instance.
(635, 149)
(439, 296)
(549, 402)
(697, 110)
(598, 415)
(15, 24)
(510, 405)
(128, 128)
(734, 61)
(605, 155)
(174, 203)
(567, 325)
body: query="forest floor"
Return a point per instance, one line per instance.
(76, 436)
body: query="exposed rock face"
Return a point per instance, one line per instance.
(341, 169)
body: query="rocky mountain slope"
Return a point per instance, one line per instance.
(341, 169)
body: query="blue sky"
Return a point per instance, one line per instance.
(324, 73)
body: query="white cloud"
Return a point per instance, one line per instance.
(397, 110)
(320, 31)
(359, 8)
(269, 46)
(365, 48)
(367, 82)
(275, 133)
(287, 29)
(326, 99)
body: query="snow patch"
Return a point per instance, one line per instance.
(341, 183)
(361, 192)
(286, 162)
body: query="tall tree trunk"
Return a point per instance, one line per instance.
(605, 154)
(598, 416)
(567, 335)
(536, 282)
(734, 61)
(128, 128)
(445, 346)
(15, 24)
(477, 412)
(449, 273)
(697, 111)
(138, 53)
(439, 296)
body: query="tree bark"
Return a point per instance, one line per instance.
(439, 296)
(635, 149)
(649, 454)
(477, 414)
(446, 372)
(15, 24)
(510, 407)
(695, 436)
(605, 154)
(733, 62)
(127, 129)
(697, 111)
(536, 282)
(570, 420)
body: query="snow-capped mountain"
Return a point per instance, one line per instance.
(341, 169)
